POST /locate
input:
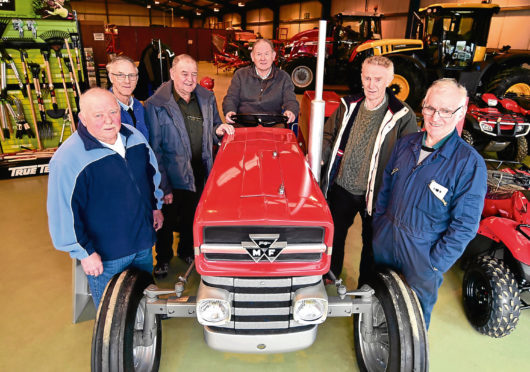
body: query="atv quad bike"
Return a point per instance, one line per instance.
(497, 261)
(497, 125)
(263, 239)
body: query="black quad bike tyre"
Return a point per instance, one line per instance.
(408, 84)
(303, 74)
(491, 297)
(516, 151)
(512, 80)
(400, 337)
(468, 137)
(119, 316)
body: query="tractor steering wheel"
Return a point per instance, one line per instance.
(253, 120)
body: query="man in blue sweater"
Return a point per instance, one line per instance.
(123, 74)
(103, 196)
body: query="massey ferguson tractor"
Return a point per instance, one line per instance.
(449, 40)
(263, 238)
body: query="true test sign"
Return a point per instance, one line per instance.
(17, 170)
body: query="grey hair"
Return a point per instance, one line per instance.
(449, 82)
(380, 61)
(263, 41)
(118, 59)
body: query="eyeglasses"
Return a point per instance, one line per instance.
(443, 113)
(121, 77)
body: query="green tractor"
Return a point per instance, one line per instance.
(448, 40)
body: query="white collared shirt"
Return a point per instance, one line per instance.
(117, 146)
(126, 107)
(266, 76)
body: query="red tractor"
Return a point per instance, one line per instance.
(263, 238)
(497, 261)
(347, 31)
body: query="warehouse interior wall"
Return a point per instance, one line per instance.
(293, 18)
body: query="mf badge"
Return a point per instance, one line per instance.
(264, 245)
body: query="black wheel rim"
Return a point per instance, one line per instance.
(477, 297)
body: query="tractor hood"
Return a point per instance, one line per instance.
(260, 176)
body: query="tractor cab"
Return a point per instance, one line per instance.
(454, 35)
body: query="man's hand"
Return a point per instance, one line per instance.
(158, 219)
(224, 128)
(92, 265)
(290, 116)
(168, 199)
(228, 117)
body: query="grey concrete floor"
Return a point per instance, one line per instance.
(38, 334)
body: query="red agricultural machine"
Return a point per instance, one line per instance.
(497, 261)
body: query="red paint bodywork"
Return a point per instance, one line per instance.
(243, 189)
(501, 217)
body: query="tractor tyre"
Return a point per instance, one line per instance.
(515, 80)
(516, 151)
(491, 297)
(468, 137)
(116, 341)
(399, 338)
(408, 84)
(303, 74)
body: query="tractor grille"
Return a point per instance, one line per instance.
(236, 243)
(261, 305)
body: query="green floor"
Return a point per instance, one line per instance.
(38, 335)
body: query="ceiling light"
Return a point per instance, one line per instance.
(198, 13)
(241, 4)
(181, 17)
(148, 6)
(157, 2)
(215, 9)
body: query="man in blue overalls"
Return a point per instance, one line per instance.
(432, 197)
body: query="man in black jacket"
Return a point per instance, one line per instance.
(358, 140)
(261, 88)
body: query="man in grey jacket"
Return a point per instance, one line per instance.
(261, 88)
(183, 125)
(358, 140)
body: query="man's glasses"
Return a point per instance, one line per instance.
(443, 113)
(122, 77)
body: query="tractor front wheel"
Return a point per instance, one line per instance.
(398, 341)
(491, 297)
(117, 342)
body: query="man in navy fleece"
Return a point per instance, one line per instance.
(103, 196)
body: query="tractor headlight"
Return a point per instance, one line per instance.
(310, 311)
(213, 305)
(486, 127)
(213, 312)
(310, 304)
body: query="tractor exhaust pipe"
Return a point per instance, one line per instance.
(316, 129)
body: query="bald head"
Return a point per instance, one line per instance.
(100, 113)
